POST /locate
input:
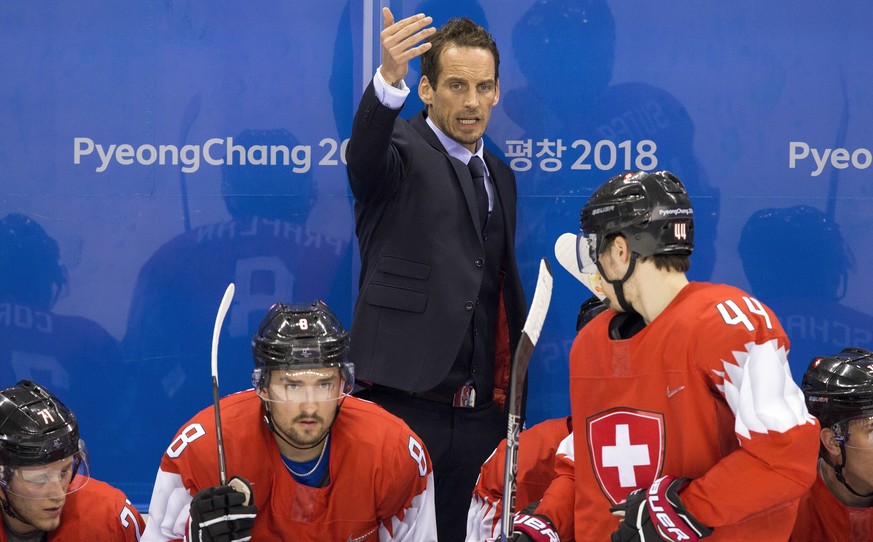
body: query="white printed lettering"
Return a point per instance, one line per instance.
(839, 158)
(124, 154)
(214, 152)
(820, 160)
(79, 150)
(104, 157)
(207, 155)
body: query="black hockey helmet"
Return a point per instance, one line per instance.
(652, 211)
(298, 337)
(840, 387)
(35, 427)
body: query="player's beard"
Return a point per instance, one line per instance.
(307, 437)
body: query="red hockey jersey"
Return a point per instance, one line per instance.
(381, 481)
(821, 517)
(97, 512)
(704, 391)
(536, 469)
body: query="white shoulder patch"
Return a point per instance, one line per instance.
(760, 391)
(567, 448)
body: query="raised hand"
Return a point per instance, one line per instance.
(400, 43)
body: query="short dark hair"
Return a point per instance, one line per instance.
(458, 32)
(670, 262)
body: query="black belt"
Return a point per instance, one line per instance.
(464, 397)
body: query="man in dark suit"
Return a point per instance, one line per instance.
(441, 304)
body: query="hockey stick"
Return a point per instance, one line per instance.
(529, 336)
(219, 320)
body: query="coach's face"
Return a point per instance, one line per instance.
(460, 102)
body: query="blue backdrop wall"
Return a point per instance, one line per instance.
(139, 176)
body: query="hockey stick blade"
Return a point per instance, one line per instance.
(540, 304)
(567, 253)
(216, 332)
(529, 336)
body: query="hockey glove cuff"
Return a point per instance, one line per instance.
(528, 528)
(657, 513)
(223, 513)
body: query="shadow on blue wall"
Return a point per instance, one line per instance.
(798, 263)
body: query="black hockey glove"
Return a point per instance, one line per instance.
(656, 514)
(223, 513)
(536, 528)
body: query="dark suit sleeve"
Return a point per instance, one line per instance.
(375, 167)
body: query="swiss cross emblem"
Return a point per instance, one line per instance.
(627, 450)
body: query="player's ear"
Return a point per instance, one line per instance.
(829, 441)
(496, 93)
(621, 248)
(425, 91)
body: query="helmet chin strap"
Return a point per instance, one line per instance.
(618, 284)
(838, 471)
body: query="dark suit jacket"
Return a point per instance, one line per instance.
(421, 252)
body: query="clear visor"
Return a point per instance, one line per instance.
(586, 252)
(586, 262)
(45, 481)
(573, 251)
(858, 432)
(312, 385)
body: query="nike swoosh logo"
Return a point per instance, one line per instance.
(671, 393)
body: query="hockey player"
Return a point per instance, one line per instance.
(536, 460)
(66, 352)
(839, 392)
(279, 243)
(46, 492)
(686, 419)
(308, 462)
